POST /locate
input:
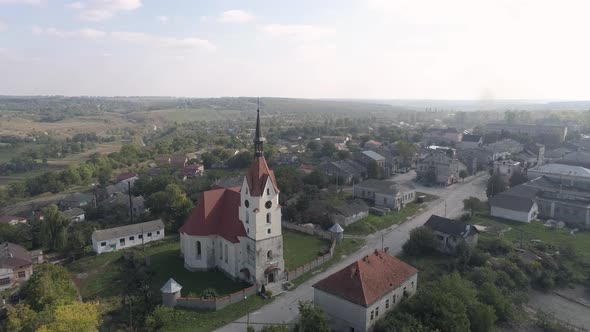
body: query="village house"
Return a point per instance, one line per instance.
(470, 142)
(371, 144)
(348, 213)
(365, 158)
(504, 148)
(193, 171)
(450, 233)
(573, 176)
(238, 230)
(12, 220)
(552, 156)
(575, 158)
(75, 214)
(126, 180)
(108, 192)
(122, 200)
(357, 296)
(113, 239)
(384, 193)
(76, 200)
(442, 168)
(506, 168)
(16, 265)
(514, 207)
(349, 170)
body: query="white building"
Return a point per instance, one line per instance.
(511, 207)
(355, 297)
(238, 229)
(113, 239)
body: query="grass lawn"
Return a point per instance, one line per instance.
(299, 248)
(526, 232)
(189, 320)
(373, 223)
(343, 249)
(167, 263)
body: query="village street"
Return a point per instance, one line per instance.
(284, 308)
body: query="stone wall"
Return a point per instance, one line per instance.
(216, 303)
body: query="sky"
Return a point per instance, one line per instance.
(385, 49)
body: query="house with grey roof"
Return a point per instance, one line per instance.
(75, 214)
(16, 265)
(384, 193)
(349, 171)
(367, 157)
(470, 142)
(76, 200)
(514, 207)
(445, 169)
(575, 158)
(349, 213)
(568, 175)
(113, 239)
(450, 233)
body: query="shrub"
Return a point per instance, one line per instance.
(209, 293)
(421, 241)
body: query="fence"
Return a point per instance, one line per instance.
(308, 230)
(215, 303)
(291, 275)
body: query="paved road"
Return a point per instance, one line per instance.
(567, 311)
(284, 308)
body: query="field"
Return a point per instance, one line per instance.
(300, 248)
(373, 223)
(520, 232)
(184, 115)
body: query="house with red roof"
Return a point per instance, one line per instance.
(238, 229)
(355, 297)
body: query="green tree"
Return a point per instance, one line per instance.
(50, 286)
(373, 170)
(74, 317)
(171, 203)
(421, 241)
(314, 146)
(312, 318)
(472, 204)
(344, 154)
(21, 318)
(407, 151)
(463, 174)
(54, 228)
(495, 186)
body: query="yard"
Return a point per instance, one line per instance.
(518, 231)
(373, 223)
(299, 248)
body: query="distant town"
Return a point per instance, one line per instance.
(275, 214)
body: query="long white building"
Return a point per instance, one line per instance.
(113, 239)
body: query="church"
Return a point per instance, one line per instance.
(238, 230)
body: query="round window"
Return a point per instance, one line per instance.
(268, 204)
(246, 203)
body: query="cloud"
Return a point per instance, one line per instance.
(235, 16)
(163, 19)
(3, 26)
(139, 38)
(297, 32)
(23, 2)
(101, 10)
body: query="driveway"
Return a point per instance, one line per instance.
(284, 308)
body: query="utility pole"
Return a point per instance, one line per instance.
(382, 240)
(445, 208)
(130, 202)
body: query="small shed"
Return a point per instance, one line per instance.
(170, 292)
(337, 232)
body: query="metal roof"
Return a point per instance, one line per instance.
(171, 286)
(118, 232)
(562, 169)
(373, 155)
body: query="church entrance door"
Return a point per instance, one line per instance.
(271, 277)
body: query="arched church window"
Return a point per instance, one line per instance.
(269, 254)
(246, 203)
(198, 250)
(268, 218)
(247, 217)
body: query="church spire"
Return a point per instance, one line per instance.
(258, 139)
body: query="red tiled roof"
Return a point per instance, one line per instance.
(7, 219)
(367, 280)
(258, 175)
(125, 176)
(216, 214)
